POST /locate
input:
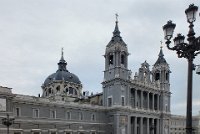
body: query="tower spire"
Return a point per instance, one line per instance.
(116, 15)
(62, 57)
(116, 32)
(161, 58)
(62, 63)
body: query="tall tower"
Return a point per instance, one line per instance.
(116, 70)
(161, 74)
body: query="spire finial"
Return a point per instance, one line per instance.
(116, 15)
(62, 51)
(62, 54)
(62, 63)
(161, 44)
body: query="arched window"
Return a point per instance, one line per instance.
(167, 76)
(111, 60)
(75, 92)
(66, 90)
(157, 77)
(122, 59)
(70, 90)
(58, 88)
(49, 90)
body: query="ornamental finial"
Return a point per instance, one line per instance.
(116, 15)
(62, 51)
(161, 44)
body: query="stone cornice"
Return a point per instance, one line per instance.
(24, 99)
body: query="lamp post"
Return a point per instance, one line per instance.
(185, 50)
(8, 122)
(152, 127)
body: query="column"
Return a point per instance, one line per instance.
(129, 125)
(147, 125)
(158, 102)
(142, 99)
(117, 124)
(154, 127)
(141, 125)
(157, 126)
(153, 101)
(135, 125)
(147, 100)
(135, 98)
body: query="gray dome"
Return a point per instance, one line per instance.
(62, 75)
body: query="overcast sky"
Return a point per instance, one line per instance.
(32, 33)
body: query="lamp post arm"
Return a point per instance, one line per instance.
(168, 43)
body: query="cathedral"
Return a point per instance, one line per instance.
(126, 105)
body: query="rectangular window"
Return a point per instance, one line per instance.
(17, 132)
(17, 111)
(92, 117)
(109, 102)
(35, 132)
(36, 113)
(123, 101)
(53, 114)
(68, 115)
(53, 132)
(80, 116)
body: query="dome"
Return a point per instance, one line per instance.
(62, 74)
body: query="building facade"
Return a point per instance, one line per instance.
(127, 105)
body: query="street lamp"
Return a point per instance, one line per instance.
(185, 50)
(8, 122)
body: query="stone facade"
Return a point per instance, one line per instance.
(127, 105)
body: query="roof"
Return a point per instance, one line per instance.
(161, 59)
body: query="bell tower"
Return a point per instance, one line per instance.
(116, 70)
(116, 57)
(161, 74)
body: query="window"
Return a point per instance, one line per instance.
(109, 102)
(35, 132)
(58, 88)
(53, 132)
(110, 59)
(93, 117)
(123, 101)
(157, 76)
(75, 92)
(36, 113)
(70, 90)
(53, 114)
(68, 133)
(68, 115)
(122, 59)
(80, 116)
(66, 90)
(167, 76)
(17, 132)
(17, 111)
(50, 91)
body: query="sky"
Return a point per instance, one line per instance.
(32, 33)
